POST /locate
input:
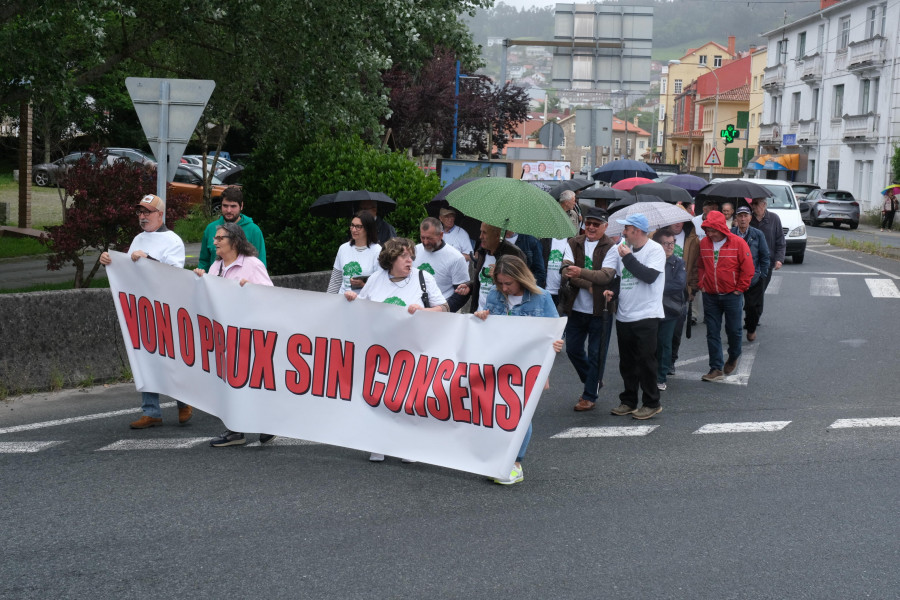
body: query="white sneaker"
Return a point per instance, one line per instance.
(515, 476)
(661, 386)
(376, 457)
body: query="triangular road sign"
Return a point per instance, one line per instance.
(713, 158)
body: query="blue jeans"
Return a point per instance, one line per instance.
(150, 404)
(590, 365)
(664, 337)
(524, 446)
(716, 306)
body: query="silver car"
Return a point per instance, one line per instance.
(834, 206)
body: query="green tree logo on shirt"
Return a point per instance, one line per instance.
(626, 274)
(352, 269)
(556, 258)
(395, 300)
(588, 263)
(427, 268)
(679, 251)
(485, 276)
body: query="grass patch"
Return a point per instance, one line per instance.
(20, 246)
(874, 248)
(96, 282)
(190, 229)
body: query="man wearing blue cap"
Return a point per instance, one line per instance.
(640, 263)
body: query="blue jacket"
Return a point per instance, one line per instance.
(534, 257)
(759, 251)
(674, 291)
(533, 305)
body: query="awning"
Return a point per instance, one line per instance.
(775, 162)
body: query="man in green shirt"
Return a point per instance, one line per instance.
(232, 205)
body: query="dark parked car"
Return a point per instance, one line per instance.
(132, 154)
(831, 206)
(46, 174)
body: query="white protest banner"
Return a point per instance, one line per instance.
(441, 388)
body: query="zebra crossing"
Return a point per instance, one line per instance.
(828, 285)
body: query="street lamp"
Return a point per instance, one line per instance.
(715, 123)
(456, 107)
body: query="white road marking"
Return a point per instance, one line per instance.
(592, 432)
(824, 286)
(858, 264)
(20, 447)
(743, 427)
(163, 444)
(774, 285)
(883, 422)
(115, 413)
(828, 273)
(883, 288)
(741, 375)
(284, 441)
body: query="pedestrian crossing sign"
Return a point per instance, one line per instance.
(713, 159)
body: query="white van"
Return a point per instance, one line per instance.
(784, 204)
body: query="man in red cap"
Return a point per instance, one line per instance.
(155, 242)
(725, 270)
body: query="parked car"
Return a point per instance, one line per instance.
(132, 154)
(46, 174)
(832, 206)
(222, 164)
(802, 189)
(188, 180)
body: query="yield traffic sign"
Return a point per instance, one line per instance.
(713, 158)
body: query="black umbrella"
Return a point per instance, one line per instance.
(574, 185)
(735, 191)
(604, 193)
(632, 199)
(618, 170)
(345, 203)
(433, 208)
(669, 193)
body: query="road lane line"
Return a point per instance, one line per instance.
(741, 375)
(882, 422)
(157, 444)
(774, 285)
(824, 286)
(828, 273)
(858, 264)
(593, 432)
(883, 288)
(115, 413)
(284, 441)
(743, 427)
(21, 447)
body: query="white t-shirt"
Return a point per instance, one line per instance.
(487, 282)
(698, 221)
(380, 288)
(639, 300)
(584, 301)
(353, 261)
(164, 246)
(459, 239)
(554, 262)
(447, 265)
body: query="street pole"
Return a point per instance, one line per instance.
(715, 138)
(455, 111)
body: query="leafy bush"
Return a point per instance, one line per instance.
(279, 190)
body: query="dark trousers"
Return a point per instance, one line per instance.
(589, 365)
(887, 219)
(762, 296)
(677, 333)
(637, 361)
(753, 300)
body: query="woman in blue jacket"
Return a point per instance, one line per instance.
(517, 293)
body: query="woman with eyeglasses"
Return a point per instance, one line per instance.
(673, 304)
(358, 258)
(517, 293)
(236, 258)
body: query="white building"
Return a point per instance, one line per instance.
(833, 96)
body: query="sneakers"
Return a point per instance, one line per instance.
(515, 476)
(376, 457)
(265, 438)
(730, 366)
(145, 422)
(229, 438)
(622, 410)
(645, 412)
(185, 413)
(584, 405)
(713, 375)
(661, 386)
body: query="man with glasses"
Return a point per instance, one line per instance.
(590, 316)
(155, 242)
(232, 212)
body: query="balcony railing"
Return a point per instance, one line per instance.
(866, 53)
(808, 132)
(813, 67)
(770, 132)
(860, 128)
(773, 77)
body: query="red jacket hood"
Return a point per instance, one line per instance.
(716, 220)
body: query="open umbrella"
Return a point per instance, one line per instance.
(574, 185)
(632, 199)
(659, 214)
(628, 184)
(343, 204)
(433, 208)
(668, 193)
(686, 181)
(618, 170)
(893, 186)
(735, 191)
(513, 205)
(602, 196)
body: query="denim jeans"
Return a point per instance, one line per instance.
(729, 306)
(524, 445)
(590, 365)
(664, 346)
(150, 404)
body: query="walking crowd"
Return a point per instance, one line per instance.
(642, 281)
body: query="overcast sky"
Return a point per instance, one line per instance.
(528, 3)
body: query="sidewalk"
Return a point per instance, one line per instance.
(889, 240)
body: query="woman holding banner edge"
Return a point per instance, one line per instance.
(516, 293)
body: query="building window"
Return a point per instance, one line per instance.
(628, 147)
(781, 52)
(753, 120)
(844, 34)
(883, 17)
(801, 46)
(641, 144)
(754, 83)
(865, 86)
(663, 86)
(820, 46)
(837, 107)
(871, 21)
(702, 59)
(795, 107)
(815, 104)
(584, 161)
(811, 171)
(677, 86)
(618, 144)
(717, 61)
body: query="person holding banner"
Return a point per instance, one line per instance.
(398, 282)
(236, 259)
(358, 258)
(155, 242)
(516, 293)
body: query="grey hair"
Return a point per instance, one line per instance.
(432, 223)
(566, 196)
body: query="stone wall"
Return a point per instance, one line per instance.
(71, 337)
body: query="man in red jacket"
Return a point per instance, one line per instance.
(724, 270)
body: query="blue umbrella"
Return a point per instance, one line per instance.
(691, 183)
(618, 170)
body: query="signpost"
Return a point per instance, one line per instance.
(712, 159)
(169, 110)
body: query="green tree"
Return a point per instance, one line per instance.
(895, 164)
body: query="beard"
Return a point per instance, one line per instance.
(231, 218)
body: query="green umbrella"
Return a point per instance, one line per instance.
(513, 205)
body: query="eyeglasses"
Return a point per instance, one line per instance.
(355, 226)
(593, 224)
(667, 244)
(219, 238)
(143, 211)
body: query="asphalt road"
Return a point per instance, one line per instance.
(801, 510)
